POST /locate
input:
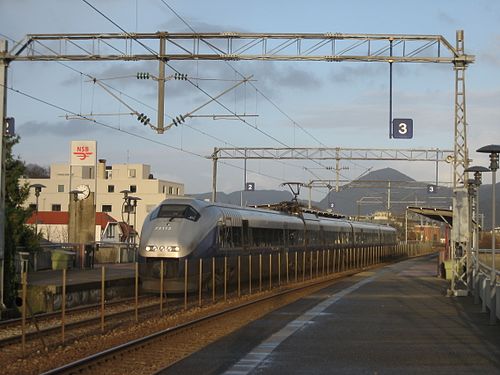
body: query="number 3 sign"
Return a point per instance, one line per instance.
(402, 128)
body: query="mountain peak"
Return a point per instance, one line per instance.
(386, 174)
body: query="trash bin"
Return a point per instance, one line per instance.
(62, 259)
(448, 264)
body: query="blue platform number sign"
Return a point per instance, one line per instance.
(431, 189)
(402, 128)
(250, 186)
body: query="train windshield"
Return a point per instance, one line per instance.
(172, 211)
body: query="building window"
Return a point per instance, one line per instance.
(170, 190)
(109, 174)
(56, 207)
(111, 188)
(107, 208)
(131, 173)
(133, 188)
(164, 189)
(87, 172)
(60, 188)
(178, 191)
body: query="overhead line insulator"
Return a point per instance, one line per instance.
(143, 119)
(180, 76)
(178, 120)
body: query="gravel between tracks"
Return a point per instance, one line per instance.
(186, 342)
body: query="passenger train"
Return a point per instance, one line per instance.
(188, 228)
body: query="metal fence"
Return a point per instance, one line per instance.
(75, 256)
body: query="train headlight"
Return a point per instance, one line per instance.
(162, 248)
(174, 249)
(151, 248)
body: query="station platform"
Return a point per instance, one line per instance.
(83, 286)
(394, 320)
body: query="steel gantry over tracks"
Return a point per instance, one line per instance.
(233, 46)
(337, 154)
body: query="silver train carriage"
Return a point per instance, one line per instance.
(187, 228)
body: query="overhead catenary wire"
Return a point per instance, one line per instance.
(100, 123)
(196, 85)
(138, 101)
(256, 88)
(109, 87)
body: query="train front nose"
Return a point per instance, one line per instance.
(167, 240)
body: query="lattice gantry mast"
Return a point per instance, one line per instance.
(460, 235)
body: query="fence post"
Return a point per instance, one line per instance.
(136, 292)
(185, 283)
(260, 272)
(225, 278)
(270, 271)
(317, 263)
(296, 265)
(303, 265)
(213, 279)
(279, 269)
(23, 310)
(239, 276)
(103, 293)
(287, 266)
(63, 305)
(200, 282)
(250, 274)
(161, 287)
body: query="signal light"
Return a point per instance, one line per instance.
(10, 126)
(178, 120)
(144, 119)
(142, 75)
(180, 76)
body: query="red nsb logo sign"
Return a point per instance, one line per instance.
(82, 152)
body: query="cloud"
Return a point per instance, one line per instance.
(350, 73)
(446, 18)
(77, 128)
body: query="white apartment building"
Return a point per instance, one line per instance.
(111, 180)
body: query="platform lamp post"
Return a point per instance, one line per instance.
(126, 208)
(132, 203)
(474, 193)
(38, 189)
(493, 150)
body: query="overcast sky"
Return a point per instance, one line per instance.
(299, 104)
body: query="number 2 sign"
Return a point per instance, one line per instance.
(402, 128)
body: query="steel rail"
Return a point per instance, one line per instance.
(77, 324)
(69, 312)
(121, 349)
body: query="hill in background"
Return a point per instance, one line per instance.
(376, 191)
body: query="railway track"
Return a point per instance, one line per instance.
(141, 355)
(42, 325)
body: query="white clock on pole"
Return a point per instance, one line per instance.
(83, 192)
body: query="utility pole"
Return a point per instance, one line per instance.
(3, 107)
(161, 88)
